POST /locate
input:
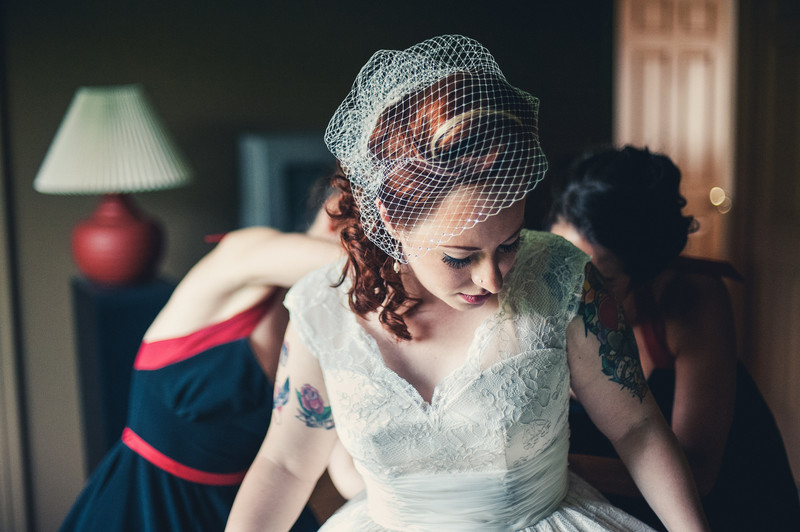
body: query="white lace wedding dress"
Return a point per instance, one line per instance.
(490, 450)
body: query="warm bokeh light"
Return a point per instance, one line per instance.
(717, 196)
(720, 199)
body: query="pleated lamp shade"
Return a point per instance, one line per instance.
(111, 142)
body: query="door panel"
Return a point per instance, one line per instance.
(674, 95)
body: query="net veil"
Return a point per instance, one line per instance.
(434, 140)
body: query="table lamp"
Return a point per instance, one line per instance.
(111, 142)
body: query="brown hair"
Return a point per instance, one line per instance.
(466, 129)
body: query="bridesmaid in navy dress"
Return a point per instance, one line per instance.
(202, 389)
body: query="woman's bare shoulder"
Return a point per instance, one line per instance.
(215, 287)
(684, 295)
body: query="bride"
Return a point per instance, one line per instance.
(443, 348)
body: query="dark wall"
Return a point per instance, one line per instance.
(214, 70)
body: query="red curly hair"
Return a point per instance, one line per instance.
(461, 129)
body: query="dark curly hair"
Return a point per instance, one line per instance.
(628, 201)
(470, 135)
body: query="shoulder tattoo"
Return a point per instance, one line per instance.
(603, 318)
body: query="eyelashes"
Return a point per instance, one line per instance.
(457, 264)
(512, 247)
(454, 263)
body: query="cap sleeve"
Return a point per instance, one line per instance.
(547, 277)
(318, 308)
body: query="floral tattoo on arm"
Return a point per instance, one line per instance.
(603, 318)
(313, 411)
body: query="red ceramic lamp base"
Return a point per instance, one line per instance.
(117, 245)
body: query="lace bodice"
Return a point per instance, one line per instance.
(496, 427)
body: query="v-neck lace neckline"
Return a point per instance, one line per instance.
(471, 361)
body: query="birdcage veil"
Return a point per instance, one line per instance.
(434, 140)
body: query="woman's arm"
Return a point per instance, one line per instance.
(607, 378)
(236, 274)
(700, 331)
(282, 259)
(343, 473)
(295, 451)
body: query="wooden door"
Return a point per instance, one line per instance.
(673, 94)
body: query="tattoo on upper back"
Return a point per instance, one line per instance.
(603, 318)
(313, 411)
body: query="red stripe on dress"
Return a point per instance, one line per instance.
(162, 461)
(161, 353)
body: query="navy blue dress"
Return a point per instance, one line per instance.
(199, 410)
